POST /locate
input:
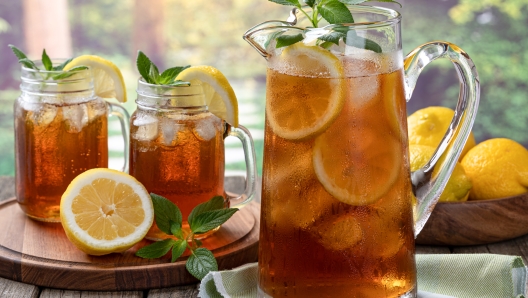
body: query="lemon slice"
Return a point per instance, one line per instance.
(219, 95)
(305, 93)
(355, 164)
(104, 211)
(108, 80)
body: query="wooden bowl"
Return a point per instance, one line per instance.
(476, 222)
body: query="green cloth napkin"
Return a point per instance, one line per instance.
(442, 275)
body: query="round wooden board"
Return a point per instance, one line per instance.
(39, 253)
(476, 222)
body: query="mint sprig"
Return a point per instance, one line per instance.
(46, 62)
(150, 72)
(334, 12)
(202, 219)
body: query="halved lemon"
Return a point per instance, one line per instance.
(306, 91)
(219, 95)
(108, 80)
(104, 211)
(356, 163)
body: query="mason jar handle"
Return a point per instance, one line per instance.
(244, 136)
(124, 119)
(426, 186)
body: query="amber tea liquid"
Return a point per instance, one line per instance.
(179, 156)
(54, 144)
(313, 244)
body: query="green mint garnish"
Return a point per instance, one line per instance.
(150, 72)
(334, 12)
(202, 219)
(46, 62)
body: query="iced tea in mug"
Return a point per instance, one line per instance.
(177, 148)
(337, 212)
(61, 131)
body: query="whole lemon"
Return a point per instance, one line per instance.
(458, 185)
(428, 126)
(498, 168)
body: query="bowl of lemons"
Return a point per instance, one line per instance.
(486, 197)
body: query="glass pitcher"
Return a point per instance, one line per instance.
(61, 130)
(337, 198)
(177, 149)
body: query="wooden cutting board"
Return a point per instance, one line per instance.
(39, 253)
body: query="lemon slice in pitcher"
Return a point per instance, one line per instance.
(306, 92)
(104, 211)
(219, 95)
(108, 80)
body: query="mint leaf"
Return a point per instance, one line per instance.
(18, 53)
(286, 40)
(176, 229)
(178, 249)
(200, 262)
(287, 2)
(69, 73)
(363, 43)
(28, 63)
(165, 212)
(209, 220)
(309, 2)
(46, 61)
(154, 74)
(143, 65)
(215, 203)
(156, 250)
(170, 74)
(336, 12)
(179, 83)
(333, 37)
(271, 37)
(61, 66)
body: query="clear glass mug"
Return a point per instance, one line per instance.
(177, 149)
(61, 130)
(337, 212)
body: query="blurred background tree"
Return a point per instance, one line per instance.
(175, 32)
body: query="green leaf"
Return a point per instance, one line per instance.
(336, 12)
(46, 61)
(209, 220)
(18, 53)
(154, 74)
(363, 43)
(156, 250)
(61, 66)
(69, 73)
(271, 37)
(165, 211)
(28, 63)
(309, 2)
(215, 203)
(287, 2)
(286, 40)
(178, 249)
(179, 83)
(200, 262)
(333, 37)
(170, 74)
(176, 229)
(143, 64)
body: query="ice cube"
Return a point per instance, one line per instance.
(206, 128)
(147, 127)
(338, 232)
(169, 131)
(76, 117)
(363, 90)
(43, 115)
(96, 108)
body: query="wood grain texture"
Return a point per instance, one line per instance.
(39, 253)
(9, 288)
(54, 293)
(476, 222)
(179, 292)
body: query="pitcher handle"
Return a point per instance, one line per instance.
(426, 186)
(244, 136)
(124, 119)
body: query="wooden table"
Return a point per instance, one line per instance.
(9, 288)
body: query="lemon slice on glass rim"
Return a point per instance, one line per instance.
(219, 95)
(104, 211)
(108, 80)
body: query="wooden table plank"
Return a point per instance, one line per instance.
(179, 292)
(54, 293)
(9, 288)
